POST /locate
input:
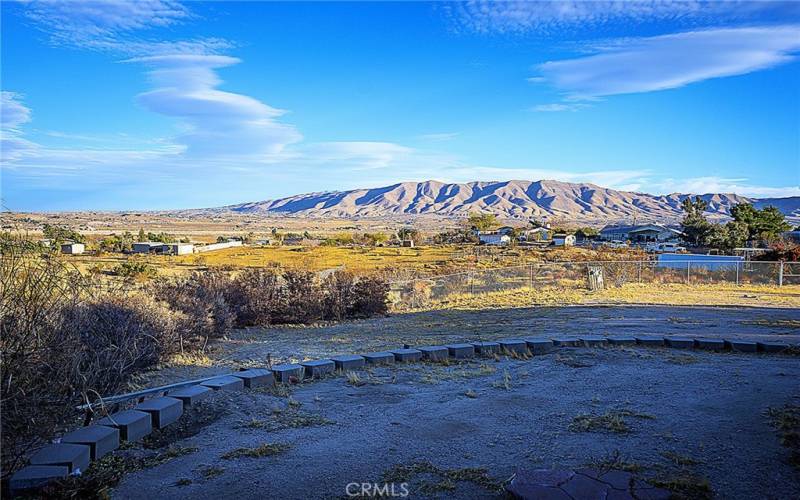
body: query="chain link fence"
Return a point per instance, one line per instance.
(589, 276)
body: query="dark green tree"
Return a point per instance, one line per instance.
(694, 225)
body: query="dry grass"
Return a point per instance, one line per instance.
(787, 422)
(447, 478)
(685, 486)
(615, 461)
(678, 459)
(611, 421)
(263, 450)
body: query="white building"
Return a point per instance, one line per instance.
(178, 248)
(564, 240)
(494, 239)
(73, 248)
(640, 234)
(535, 234)
(219, 246)
(147, 246)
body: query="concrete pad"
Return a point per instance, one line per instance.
(679, 342)
(742, 346)
(621, 340)
(407, 355)
(593, 341)
(460, 351)
(35, 476)
(191, 395)
(73, 456)
(486, 348)
(567, 342)
(772, 347)
(540, 346)
(710, 344)
(226, 383)
(133, 425)
(349, 362)
(379, 358)
(518, 346)
(650, 341)
(435, 353)
(164, 410)
(320, 367)
(284, 373)
(100, 439)
(256, 377)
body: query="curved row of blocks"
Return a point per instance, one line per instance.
(75, 450)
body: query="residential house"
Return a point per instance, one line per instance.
(495, 239)
(73, 248)
(640, 233)
(563, 240)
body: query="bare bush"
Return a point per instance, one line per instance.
(302, 301)
(255, 296)
(339, 295)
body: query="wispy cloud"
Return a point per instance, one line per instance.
(558, 106)
(671, 61)
(546, 17)
(711, 184)
(439, 137)
(217, 122)
(13, 114)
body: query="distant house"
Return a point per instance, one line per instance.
(505, 230)
(495, 239)
(73, 248)
(147, 247)
(563, 240)
(535, 234)
(177, 248)
(407, 243)
(218, 246)
(640, 233)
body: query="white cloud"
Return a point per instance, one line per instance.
(117, 25)
(13, 114)
(711, 184)
(558, 106)
(218, 123)
(545, 17)
(356, 155)
(671, 61)
(439, 137)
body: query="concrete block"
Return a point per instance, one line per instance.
(460, 351)
(540, 346)
(710, 344)
(593, 341)
(772, 347)
(679, 342)
(349, 362)
(379, 358)
(284, 373)
(164, 410)
(35, 476)
(226, 383)
(73, 456)
(650, 341)
(517, 346)
(320, 367)
(133, 425)
(435, 353)
(256, 377)
(191, 395)
(486, 348)
(567, 342)
(621, 340)
(742, 346)
(99, 438)
(407, 355)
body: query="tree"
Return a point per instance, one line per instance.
(695, 226)
(408, 233)
(765, 224)
(482, 222)
(60, 234)
(726, 237)
(142, 236)
(588, 233)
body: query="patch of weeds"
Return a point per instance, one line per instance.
(681, 359)
(615, 461)
(471, 394)
(436, 487)
(210, 472)
(354, 380)
(192, 422)
(403, 473)
(437, 374)
(679, 459)
(281, 419)
(572, 361)
(505, 382)
(264, 450)
(611, 421)
(293, 403)
(787, 422)
(167, 455)
(183, 482)
(685, 487)
(775, 323)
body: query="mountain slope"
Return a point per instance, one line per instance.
(509, 199)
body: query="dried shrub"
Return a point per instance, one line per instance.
(302, 301)
(254, 296)
(339, 295)
(371, 297)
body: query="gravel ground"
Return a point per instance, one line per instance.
(253, 346)
(704, 410)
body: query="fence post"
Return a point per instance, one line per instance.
(640, 272)
(471, 283)
(737, 272)
(530, 275)
(688, 267)
(780, 275)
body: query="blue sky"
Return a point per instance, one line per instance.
(161, 104)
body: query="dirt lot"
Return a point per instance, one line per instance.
(252, 347)
(695, 419)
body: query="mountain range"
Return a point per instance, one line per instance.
(514, 199)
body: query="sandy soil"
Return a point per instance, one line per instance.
(703, 410)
